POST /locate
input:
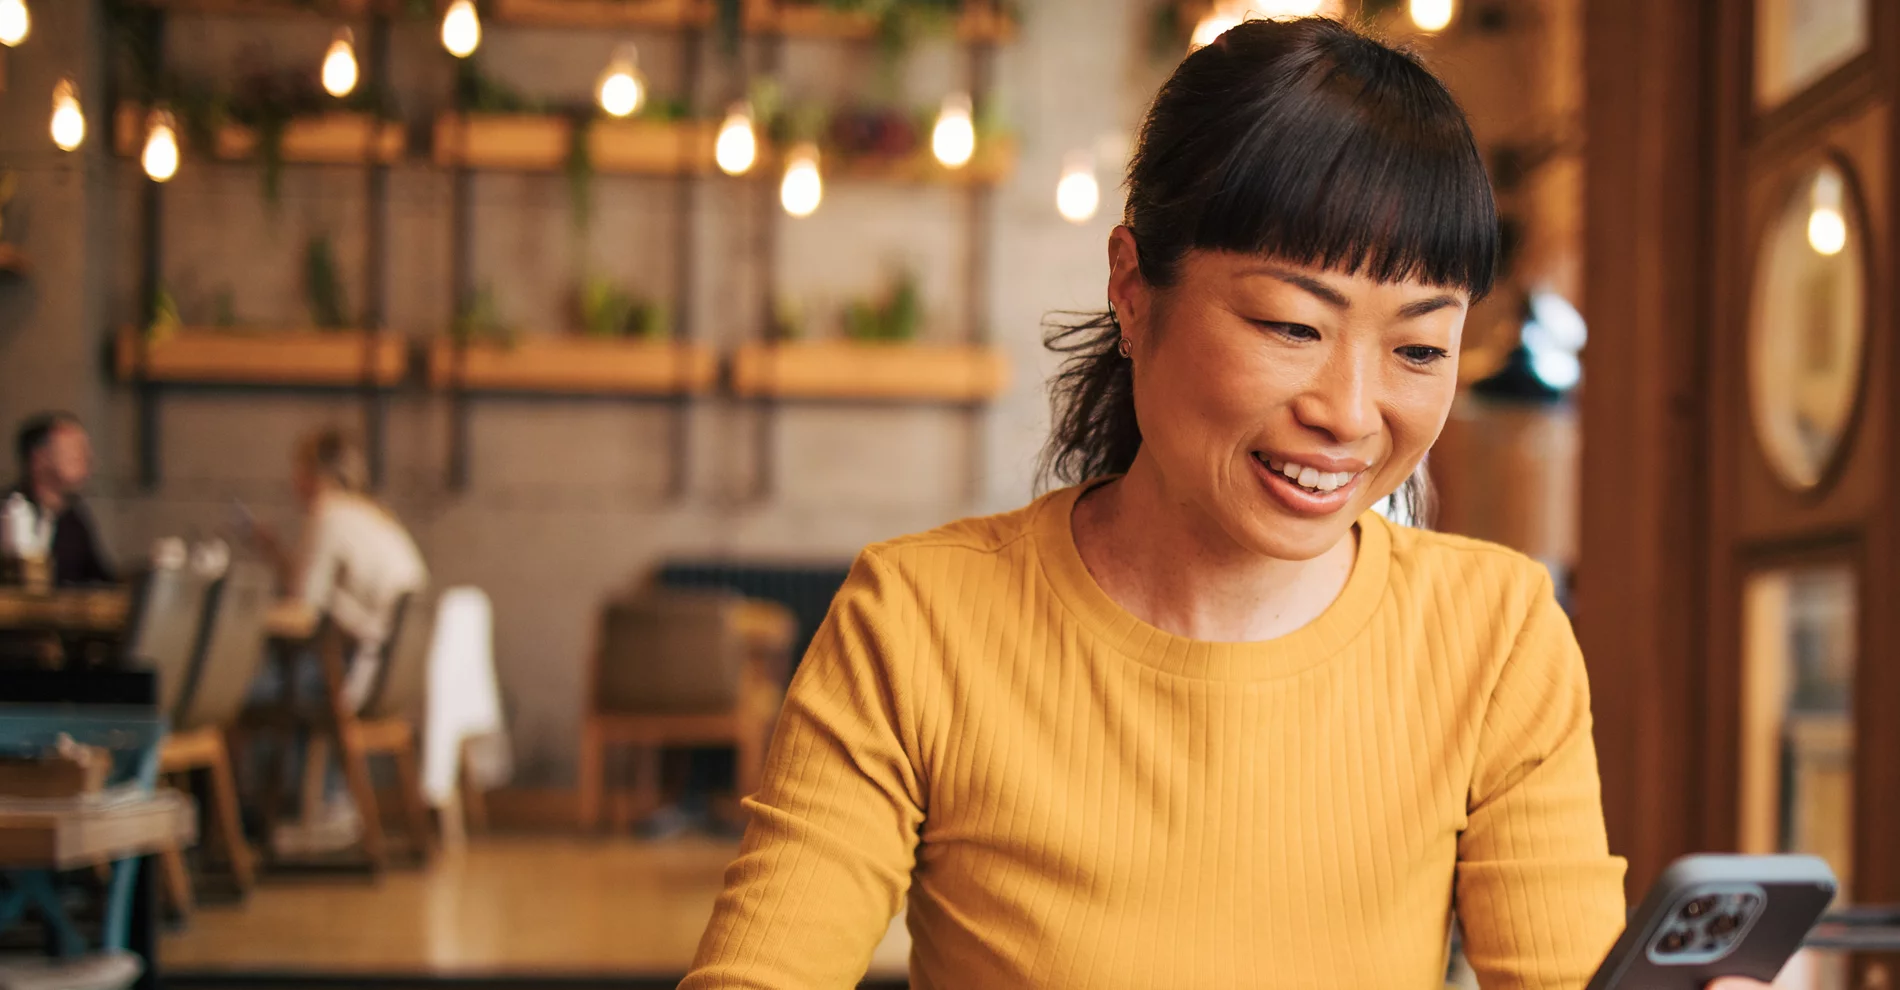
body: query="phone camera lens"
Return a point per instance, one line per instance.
(1698, 907)
(1724, 925)
(1674, 941)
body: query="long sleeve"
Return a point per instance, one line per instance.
(1538, 893)
(827, 857)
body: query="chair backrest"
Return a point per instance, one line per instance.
(166, 629)
(670, 652)
(403, 675)
(234, 645)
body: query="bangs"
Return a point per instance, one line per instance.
(1365, 169)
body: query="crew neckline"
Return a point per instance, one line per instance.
(1305, 647)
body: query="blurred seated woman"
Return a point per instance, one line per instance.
(353, 566)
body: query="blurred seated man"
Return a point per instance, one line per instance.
(55, 459)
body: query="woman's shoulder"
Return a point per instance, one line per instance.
(1428, 560)
(989, 535)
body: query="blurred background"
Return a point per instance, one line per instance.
(628, 322)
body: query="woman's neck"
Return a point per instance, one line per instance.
(1174, 567)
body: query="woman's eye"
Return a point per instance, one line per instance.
(1291, 331)
(1422, 354)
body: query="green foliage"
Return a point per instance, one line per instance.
(165, 318)
(478, 320)
(323, 289)
(608, 310)
(478, 92)
(579, 169)
(895, 317)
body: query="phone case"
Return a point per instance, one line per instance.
(1715, 916)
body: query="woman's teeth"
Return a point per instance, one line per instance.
(1311, 478)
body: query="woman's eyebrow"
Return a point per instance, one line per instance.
(1326, 293)
(1432, 304)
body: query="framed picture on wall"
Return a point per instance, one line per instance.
(1798, 42)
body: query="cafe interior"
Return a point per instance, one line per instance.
(626, 324)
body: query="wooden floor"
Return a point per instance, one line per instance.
(515, 907)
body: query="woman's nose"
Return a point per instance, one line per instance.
(1341, 400)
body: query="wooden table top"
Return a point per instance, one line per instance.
(77, 837)
(104, 610)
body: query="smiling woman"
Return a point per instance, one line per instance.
(1203, 718)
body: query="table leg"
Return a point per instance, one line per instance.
(142, 938)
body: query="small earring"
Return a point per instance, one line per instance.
(1126, 347)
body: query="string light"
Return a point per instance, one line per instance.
(622, 90)
(161, 146)
(1431, 15)
(339, 64)
(1078, 195)
(461, 29)
(1212, 25)
(14, 22)
(1827, 224)
(738, 145)
(69, 120)
(953, 140)
(803, 188)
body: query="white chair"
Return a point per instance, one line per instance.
(464, 741)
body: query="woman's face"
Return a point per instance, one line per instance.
(1279, 401)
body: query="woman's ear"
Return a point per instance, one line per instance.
(1128, 291)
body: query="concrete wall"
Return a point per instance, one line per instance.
(569, 499)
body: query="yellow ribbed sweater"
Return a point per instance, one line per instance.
(1070, 797)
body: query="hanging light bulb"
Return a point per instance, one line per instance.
(1212, 25)
(803, 188)
(339, 64)
(954, 138)
(461, 29)
(622, 90)
(738, 145)
(161, 146)
(69, 121)
(1078, 195)
(1431, 15)
(1827, 224)
(14, 22)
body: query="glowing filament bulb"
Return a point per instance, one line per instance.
(69, 121)
(953, 140)
(161, 146)
(622, 90)
(1827, 224)
(461, 29)
(738, 145)
(803, 188)
(1211, 26)
(339, 65)
(14, 22)
(1078, 195)
(1431, 15)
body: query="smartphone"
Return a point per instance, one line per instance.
(1713, 916)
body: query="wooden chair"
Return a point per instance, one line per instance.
(170, 607)
(213, 698)
(384, 726)
(681, 668)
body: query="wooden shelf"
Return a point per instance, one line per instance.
(609, 14)
(327, 9)
(978, 23)
(561, 364)
(218, 356)
(12, 261)
(540, 142)
(848, 370)
(993, 164)
(339, 138)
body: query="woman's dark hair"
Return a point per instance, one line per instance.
(1300, 139)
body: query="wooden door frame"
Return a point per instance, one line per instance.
(1639, 595)
(1671, 126)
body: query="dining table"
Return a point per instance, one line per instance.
(103, 612)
